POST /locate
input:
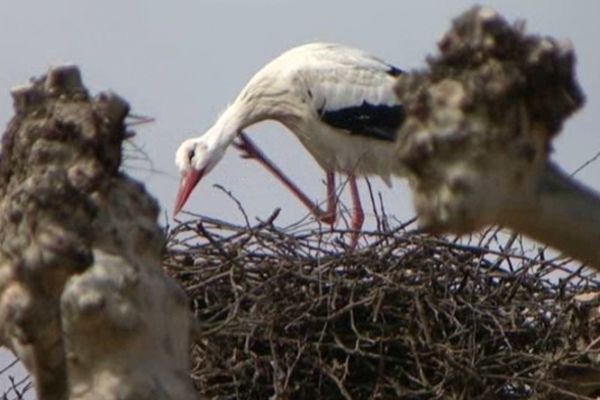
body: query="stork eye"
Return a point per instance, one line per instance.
(191, 154)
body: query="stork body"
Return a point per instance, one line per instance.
(338, 101)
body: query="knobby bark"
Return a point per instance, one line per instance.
(83, 300)
(478, 136)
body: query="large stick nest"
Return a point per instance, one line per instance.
(285, 313)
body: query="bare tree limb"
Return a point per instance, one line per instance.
(561, 213)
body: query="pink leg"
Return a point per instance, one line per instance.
(358, 217)
(250, 151)
(329, 215)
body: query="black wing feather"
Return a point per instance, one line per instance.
(394, 71)
(374, 121)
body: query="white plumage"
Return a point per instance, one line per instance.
(340, 103)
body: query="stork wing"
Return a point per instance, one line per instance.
(358, 98)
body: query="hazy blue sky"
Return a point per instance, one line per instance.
(182, 62)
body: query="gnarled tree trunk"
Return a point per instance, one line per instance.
(83, 300)
(477, 139)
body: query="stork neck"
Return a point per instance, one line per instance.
(229, 124)
(234, 119)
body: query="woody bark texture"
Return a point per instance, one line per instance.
(83, 300)
(478, 136)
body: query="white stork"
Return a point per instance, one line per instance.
(339, 102)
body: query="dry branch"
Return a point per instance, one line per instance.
(83, 300)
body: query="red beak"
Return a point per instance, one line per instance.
(188, 182)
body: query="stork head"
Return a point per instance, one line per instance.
(195, 158)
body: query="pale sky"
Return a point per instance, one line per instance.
(182, 62)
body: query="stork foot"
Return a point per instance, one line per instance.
(327, 217)
(248, 149)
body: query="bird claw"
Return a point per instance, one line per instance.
(247, 149)
(327, 218)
